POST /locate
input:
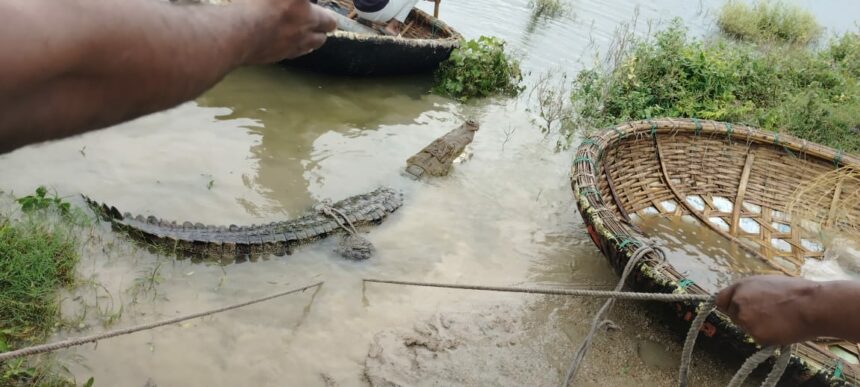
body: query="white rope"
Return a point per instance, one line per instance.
(50, 347)
(705, 308)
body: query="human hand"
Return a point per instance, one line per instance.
(285, 29)
(774, 310)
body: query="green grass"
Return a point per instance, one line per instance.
(38, 256)
(809, 93)
(768, 21)
(36, 261)
(479, 68)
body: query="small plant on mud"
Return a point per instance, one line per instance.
(549, 8)
(768, 21)
(479, 68)
(40, 201)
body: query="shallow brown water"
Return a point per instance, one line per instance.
(699, 253)
(274, 141)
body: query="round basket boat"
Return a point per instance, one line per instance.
(424, 43)
(681, 167)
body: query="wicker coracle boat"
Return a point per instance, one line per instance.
(422, 45)
(682, 167)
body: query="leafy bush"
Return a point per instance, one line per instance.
(845, 52)
(768, 21)
(479, 68)
(814, 95)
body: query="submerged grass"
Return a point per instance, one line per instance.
(813, 94)
(768, 21)
(549, 8)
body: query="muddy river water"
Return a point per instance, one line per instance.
(267, 142)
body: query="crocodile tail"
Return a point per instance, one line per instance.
(103, 210)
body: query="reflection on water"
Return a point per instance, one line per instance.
(296, 111)
(700, 254)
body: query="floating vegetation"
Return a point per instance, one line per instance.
(479, 68)
(549, 8)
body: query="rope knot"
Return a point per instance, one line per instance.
(352, 246)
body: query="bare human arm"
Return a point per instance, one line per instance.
(779, 310)
(76, 65)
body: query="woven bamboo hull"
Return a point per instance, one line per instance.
(685, 167)
(426, 43)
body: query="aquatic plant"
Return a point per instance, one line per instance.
(479, 68)
(768, 21)
(808, 93)
(553, 107)
(549, 8)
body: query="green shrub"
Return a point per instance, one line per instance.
(479, 68)
(768, 21)
(814, 95)
(845, 52)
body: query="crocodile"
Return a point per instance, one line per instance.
(437, 158)
(233, 242)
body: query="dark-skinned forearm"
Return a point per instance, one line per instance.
(89, 67)
(836, 310)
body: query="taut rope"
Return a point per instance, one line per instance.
(663, 297)
(707, 305)
(36, 349)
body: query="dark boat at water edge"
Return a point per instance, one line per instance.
(424, 43)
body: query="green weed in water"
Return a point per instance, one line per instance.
(549, 8)
(553, 108)
(768, 21)
(479, 68)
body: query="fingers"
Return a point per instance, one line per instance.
(308, 44)
(724, 298)
(325, 21)
(314, 41)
